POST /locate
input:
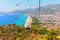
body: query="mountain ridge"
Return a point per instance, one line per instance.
(50, 9)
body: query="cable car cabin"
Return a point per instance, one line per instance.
(15, 18)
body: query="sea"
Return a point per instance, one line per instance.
(12, 18)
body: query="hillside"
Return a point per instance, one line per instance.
(50, 9)
(14, 32)
(27, 11)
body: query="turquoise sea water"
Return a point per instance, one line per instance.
(12, 18)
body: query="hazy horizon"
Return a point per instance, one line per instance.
(49, 2)
(10, 5)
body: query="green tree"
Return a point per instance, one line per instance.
(36, 21)
(38, 30)
(52, 35)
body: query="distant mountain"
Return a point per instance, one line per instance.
(27, 11)
(50, 9)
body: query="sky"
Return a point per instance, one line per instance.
(10, 5)
(49, 2)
